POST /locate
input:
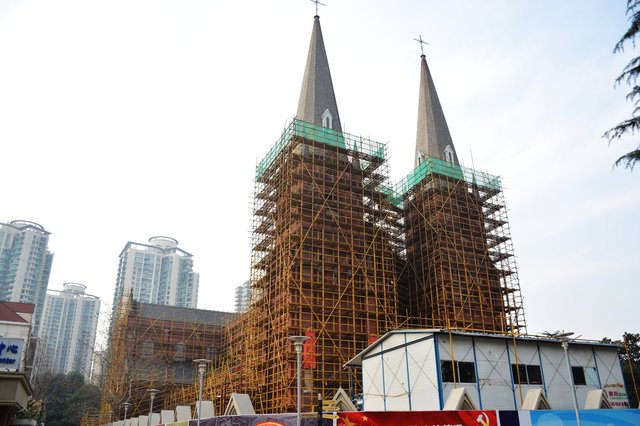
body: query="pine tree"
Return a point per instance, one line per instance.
(629, 75)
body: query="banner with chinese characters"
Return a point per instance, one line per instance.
(10, 352)
(261, 420)
(419, 418)
(617, 395)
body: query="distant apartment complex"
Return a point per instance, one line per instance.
(25, 264)
(159, 273)
(68, 329)
(242, 297)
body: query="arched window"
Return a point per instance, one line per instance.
(420, 157)
(180, 352)
(327, 119)
(147, 348)
(448, 154)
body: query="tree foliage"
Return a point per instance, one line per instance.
(65, 398)
(629, 76)
(630, 359)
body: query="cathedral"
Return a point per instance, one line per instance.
(341, 255)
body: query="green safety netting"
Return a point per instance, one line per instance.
(437, 166)
(367, 149)
(368, 152)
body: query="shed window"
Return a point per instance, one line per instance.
(465, 371)
(534, 374)
(529, 374)
(585, 376)
(591, 376)
(578, 376)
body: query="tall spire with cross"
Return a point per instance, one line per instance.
(317, 102)
(433, 138)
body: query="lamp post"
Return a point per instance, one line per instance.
(298, 341)
(202, 365)
(153, 393)
(564, 342)
(126, 410)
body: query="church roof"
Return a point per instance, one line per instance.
(317, 102)
(433, 138)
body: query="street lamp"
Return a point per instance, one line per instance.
(564, 342)
(298, 341)
(126, 410)
(202, 365)
(153, 393)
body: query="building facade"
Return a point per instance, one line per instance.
(154, 346)
(460, 271)
(324, 251)
(158, 272)
(68, 330)
(25, 264)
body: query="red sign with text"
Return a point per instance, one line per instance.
(420, 418)
(309, 351)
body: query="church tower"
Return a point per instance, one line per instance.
(324, 250)
(461, 272)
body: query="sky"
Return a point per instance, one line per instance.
(123, 120)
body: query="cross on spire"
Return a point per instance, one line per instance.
(419, 40)
(317, 2)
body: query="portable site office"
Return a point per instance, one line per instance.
(413, 370)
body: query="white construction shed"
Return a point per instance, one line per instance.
(414, 370)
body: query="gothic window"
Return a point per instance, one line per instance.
(327, 119)
(448, 154)
(420, 157)
(147, 348)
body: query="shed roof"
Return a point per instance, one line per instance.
(357, 360)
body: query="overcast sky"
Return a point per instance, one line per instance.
(122, 120)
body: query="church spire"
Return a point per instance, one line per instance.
(433, 138)
(317, 102)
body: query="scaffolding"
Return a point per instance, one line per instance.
(341, 256)
(326, 238)
(153, 346)
(461, 270)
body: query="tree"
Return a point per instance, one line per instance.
(65, 396)
(630, 359)
(629, 75)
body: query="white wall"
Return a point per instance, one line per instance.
(400, 372)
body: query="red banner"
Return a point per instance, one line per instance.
(420, 418)
(309, 350)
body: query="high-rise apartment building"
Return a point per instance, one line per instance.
(25, 264)
(159, 272)
(68, 330)
(242, 297)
